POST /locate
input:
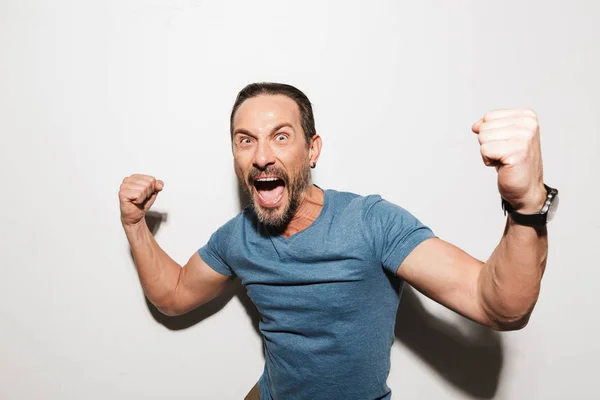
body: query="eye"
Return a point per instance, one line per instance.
(281, 137)
(245, 140)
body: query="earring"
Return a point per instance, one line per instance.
(313, 164)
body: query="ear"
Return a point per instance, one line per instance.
(314, 150)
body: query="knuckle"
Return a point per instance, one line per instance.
(483, 149)
(531, 113)
(486, 160)
(522, 133)
(527, 134)
(530, 122)
(482, 138)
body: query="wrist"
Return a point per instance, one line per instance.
(533, 203)
(532, 214)
(134, 227)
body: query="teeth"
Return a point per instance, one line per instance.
(267, 179)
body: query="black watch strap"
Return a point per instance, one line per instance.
(538, 219)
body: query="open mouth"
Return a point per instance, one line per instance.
(270, 190)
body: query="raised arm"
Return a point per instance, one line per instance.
(172, 289)
(501, 292)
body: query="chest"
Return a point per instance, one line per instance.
(334, 274)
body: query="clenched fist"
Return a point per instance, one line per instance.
(510, 141)
(136, 195)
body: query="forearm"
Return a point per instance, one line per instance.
(509, 282)
(158, 273)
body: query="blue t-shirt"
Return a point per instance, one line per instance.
(327, 295)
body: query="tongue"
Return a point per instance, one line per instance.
(270, 195)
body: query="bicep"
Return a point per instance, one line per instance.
(198, 283)
(447, 275)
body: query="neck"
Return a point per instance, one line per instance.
(307, 212)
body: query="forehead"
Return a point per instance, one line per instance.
(263, 111)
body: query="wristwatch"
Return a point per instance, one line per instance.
(540, 218)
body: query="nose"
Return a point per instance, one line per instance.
(264, 156)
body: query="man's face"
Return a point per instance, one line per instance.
(272, 160)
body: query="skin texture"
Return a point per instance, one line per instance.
(175, 290)
(502, 292)
(172, 289)
(268, 139)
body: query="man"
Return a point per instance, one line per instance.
(324, 268)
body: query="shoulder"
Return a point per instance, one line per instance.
(235, 224)
(364, 205)
(367, 212)
(374, 213)
(350, 201)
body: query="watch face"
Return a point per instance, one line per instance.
(553, 208)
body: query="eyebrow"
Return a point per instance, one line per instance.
(275, 129)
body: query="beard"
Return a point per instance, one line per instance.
(277, 218)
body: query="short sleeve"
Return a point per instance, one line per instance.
(393, 231)
(214, 253)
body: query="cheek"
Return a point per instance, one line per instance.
(240, 160)
(294, 161)
(239, 170)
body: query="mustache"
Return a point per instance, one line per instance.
(254, 173)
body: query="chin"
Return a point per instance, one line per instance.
(272, 217)
(275, 218)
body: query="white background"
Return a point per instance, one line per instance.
(91, 92)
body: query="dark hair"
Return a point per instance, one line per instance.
(307, 119)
